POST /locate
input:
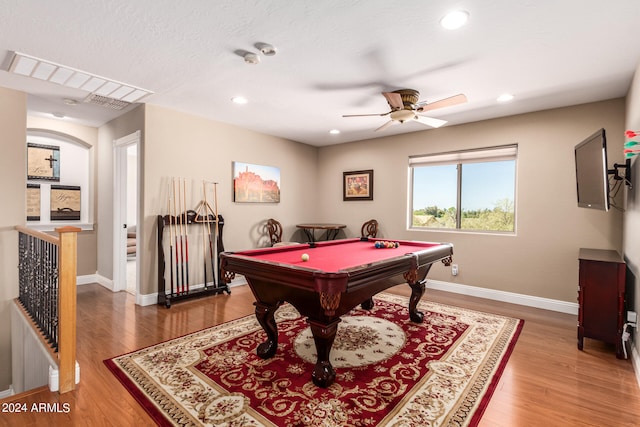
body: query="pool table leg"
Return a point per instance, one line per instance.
(368, 304)
(417, 290)
(323, 374)
(265, 315)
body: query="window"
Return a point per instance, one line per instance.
(464, 190)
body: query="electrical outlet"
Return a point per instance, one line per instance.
(632, 317)
(454, 269)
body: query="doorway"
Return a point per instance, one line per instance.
(126, 254)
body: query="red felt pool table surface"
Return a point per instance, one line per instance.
(335, 255)
(339, 275)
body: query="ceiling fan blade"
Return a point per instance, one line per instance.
(430, 121)
(386, 125)
(446, 102)
(365, 115)
(394, 99)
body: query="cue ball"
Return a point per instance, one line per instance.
(305, 257)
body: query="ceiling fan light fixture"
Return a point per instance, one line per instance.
(266, 49)
(454, 20)
(251, 58)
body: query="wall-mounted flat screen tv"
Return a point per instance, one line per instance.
(592, 177)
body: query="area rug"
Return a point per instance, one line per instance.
(390, 371)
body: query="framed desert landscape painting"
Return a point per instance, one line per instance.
(255, 183)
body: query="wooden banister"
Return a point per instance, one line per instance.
(67, 270)
(39, 234)
(67, 266)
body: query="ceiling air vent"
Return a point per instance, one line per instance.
(105, 101)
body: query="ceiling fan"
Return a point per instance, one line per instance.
(405, 106)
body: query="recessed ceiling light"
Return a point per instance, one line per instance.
(505, 97)
(334, 131)
(454, 20)
(239, 100)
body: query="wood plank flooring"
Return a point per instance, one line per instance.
(547, 382)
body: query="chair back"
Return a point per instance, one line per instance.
(274, 229)
(369, 228)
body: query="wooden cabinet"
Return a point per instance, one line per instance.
(601, 297)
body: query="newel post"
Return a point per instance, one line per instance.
(67, 272)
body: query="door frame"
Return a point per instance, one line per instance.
(120, 147)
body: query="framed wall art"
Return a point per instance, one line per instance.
(65, 203)
(43, 162)
(33, 202)
(357, 185)
(255, 183)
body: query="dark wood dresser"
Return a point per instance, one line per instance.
(601, 297)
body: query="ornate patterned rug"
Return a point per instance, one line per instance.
(390, 371)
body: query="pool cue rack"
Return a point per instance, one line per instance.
(178, 259)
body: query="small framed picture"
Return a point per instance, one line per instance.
(65, 203)
(43, 162)
(357, 185)
(33, 202)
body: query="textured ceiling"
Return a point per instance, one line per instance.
(334, 57)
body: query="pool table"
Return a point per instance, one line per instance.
(338, 275)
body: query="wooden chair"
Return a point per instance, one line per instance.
(274, 230)
(369, 228)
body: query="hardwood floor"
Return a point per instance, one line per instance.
(547, 382)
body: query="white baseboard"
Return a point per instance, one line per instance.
(54, 377)
(95, 278)
(150, 299)
(6, 393)
(510, 297)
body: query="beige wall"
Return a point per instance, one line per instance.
(541, 258)
(13, 179)
(107, 134)
(178, 145)
(631, 236)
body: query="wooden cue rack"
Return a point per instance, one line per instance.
(189, 218)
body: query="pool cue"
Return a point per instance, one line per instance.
(186, 234)
(178, 223)
(209, 210)
(170, 242)
(215, 205)
(204, 230)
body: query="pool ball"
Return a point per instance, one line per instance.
(305, 257)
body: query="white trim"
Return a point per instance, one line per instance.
(119, 218)
(7, 393)
(54, 377)
(491, 154)
(147, 299)
(510, 297)
(52, 226)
